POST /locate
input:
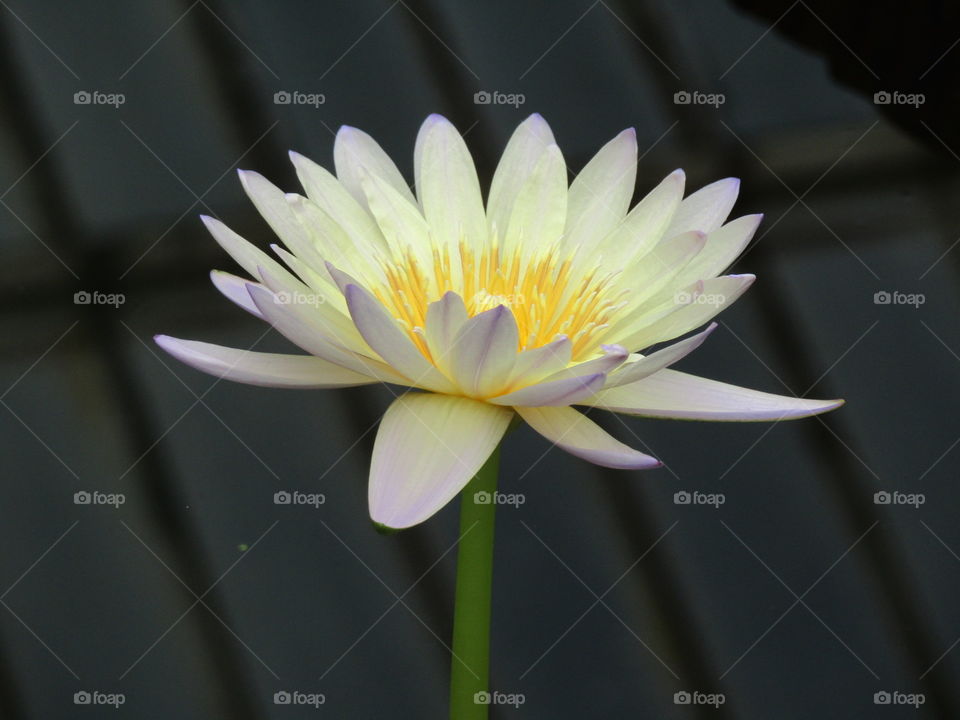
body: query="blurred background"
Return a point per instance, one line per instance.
(184, 591)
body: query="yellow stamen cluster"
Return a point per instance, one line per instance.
(547, 294)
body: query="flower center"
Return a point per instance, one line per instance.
(547, 293)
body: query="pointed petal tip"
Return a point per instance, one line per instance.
(247, 177)
(210, 223)
(536, 120)
(616, 350)
(434, 119)
(297, 158)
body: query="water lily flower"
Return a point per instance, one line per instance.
(542, 299)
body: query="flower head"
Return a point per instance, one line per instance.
(541, 299)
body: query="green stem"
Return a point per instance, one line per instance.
(470, 664)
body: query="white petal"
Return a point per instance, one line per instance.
(558, 392)
(332, 242)
(354, 149)
(390, 342)
(662, 265)
(526, 145)
(540, 210)
(401, 222)
(600, 195)
(672, 394)
(304, 329)
(613, 356)
(330, 196)
(580, 436)
(723, 246)
(302, 299)
(646, 366)
(448, 188)
(272, 204)
(428, 448)
(645, 225)
(484, 352)
(688, 309)
(537, 363)
(235, 289)
(445, 317)
(244, 253)
(258, 368)
(319, 283)
(706, 209)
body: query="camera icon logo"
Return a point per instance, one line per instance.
(682, 698)
(282, 697)
(82, 498)
(282, 97)
(82, 698)
(482, 498)
(881, 298)
(482, 97)
(82, 97)
(882, 498)
(882, 98)
(81, 298)
(882, 698)
(682, 98)
(481, 698)
(682, 498)
(282, 498)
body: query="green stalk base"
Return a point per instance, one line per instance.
(470, 664)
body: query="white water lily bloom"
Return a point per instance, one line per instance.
(538, 301)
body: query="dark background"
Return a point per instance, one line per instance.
(200, 598)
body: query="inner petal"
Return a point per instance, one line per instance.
(548, 292)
